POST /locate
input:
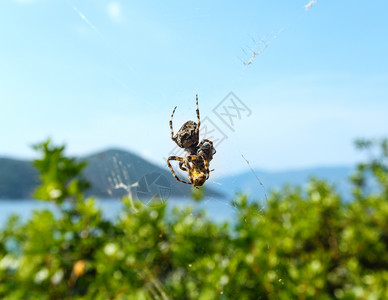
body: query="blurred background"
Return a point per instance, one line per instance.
(107, 74)
(285, 88)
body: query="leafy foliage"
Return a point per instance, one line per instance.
(305, 244)
(60, 175)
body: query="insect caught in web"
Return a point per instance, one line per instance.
(197, 155)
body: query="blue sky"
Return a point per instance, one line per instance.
(101, 74)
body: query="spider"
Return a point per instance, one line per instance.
(197, 155)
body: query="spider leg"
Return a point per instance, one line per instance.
(172, 131)
(198, 118)
(211, 151)
(181, 166)
(191, 158)
(206, 163)
(177, 158)
(205, 141)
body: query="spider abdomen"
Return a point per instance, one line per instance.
(187, 135)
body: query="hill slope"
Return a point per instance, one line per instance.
(112, 174)
(115, 172)
(18, 178)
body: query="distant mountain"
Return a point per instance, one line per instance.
(115, 173)
(112, 173)
(18, 178)
(248, 183)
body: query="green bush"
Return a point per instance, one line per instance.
(305, 244)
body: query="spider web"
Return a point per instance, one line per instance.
(120, 178)
(120, 174)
